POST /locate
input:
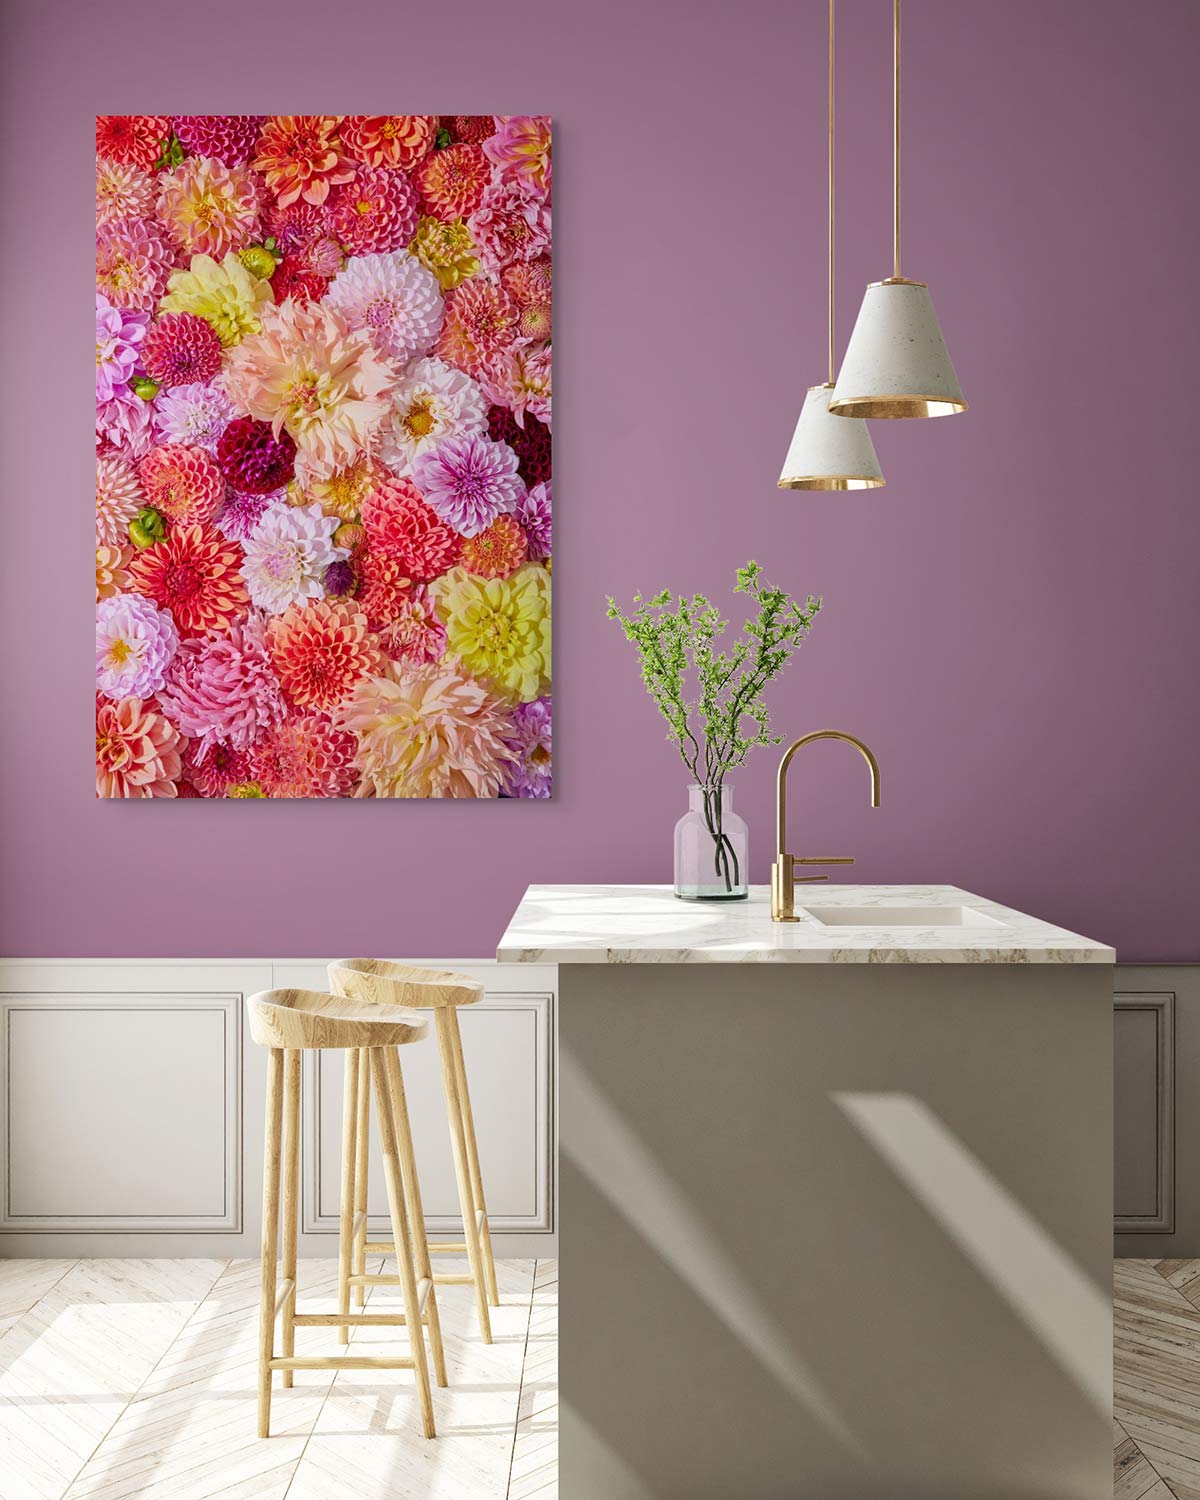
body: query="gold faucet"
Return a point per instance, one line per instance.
(783, 872)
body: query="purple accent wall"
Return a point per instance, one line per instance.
(1012, 623)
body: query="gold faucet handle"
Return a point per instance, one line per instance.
(823, 859)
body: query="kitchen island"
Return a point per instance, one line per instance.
(835, 1204)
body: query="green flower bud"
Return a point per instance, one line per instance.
(246, 789)
(147, 528)
(146, 388)
(442, 139)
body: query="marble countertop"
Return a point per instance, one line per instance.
(639, 924)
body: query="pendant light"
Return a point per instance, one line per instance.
(896, 362)
(829, 453)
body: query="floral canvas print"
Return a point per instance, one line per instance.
(323, 477)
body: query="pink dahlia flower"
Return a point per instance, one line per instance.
(125, 423)
(194, 573)
(123, 191)
(375, 212)
(240, 514)
(119, 335)
(182, 484)
(137, 751)
(181, 349)
(221, 768)
(229, 138)
(533, 512)
(520, 378)
(530, 740)
(394, 298)
(520, 149)
(398, 521)
(481, 319)
(510, 224)
(209, 208)
(286, 555)
(307, 757)
(417, 633)
(133, 262)
(135, 642)
(118, 499)
(195, 415)
(469, 481)
(222, 689)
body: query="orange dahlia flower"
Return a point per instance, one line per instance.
(389, 140)
(302, 157)
(496, 552)
(137, 751)
(320, 650)
(451, 182)
(184, 484)
(193, 573)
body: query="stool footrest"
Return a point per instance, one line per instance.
(375, 1279)
(355, 1320)
(443, 1279)
(455, 1247)
(339, 1362)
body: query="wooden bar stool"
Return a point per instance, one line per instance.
(289, 1022)
(374, 981)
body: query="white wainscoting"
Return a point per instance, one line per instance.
(132, 1110)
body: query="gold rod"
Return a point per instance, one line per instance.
(896, 139)
(831, 354)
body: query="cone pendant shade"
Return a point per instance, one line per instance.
(896, 363)
(828, 452)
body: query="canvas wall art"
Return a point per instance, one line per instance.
(323, 456)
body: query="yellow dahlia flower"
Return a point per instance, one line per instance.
(226, 295)
(499, 628)
(447, 249)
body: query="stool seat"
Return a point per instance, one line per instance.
(383, 983)
(307, 1019)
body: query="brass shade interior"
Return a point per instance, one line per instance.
(883, 407)
(831, 482)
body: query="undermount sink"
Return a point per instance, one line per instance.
(899, 916)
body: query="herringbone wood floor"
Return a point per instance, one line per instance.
(1156, 1432)
(137, 1378)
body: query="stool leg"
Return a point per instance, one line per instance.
(348, 1200)
(484, 1232)
(466, 1198)
(291, 1188)
(401, 1235)
(270, 1238)
(362, 1145)
(416, 1213)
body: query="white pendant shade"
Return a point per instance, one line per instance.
(896, 363)
(827, 452)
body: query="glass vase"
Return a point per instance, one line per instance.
(711, 848)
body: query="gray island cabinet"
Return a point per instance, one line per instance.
(835, 1199)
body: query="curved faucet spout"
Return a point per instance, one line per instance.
(807, 739)
(783, 876)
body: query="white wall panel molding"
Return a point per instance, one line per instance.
(131, 1121)
(122, 1111)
